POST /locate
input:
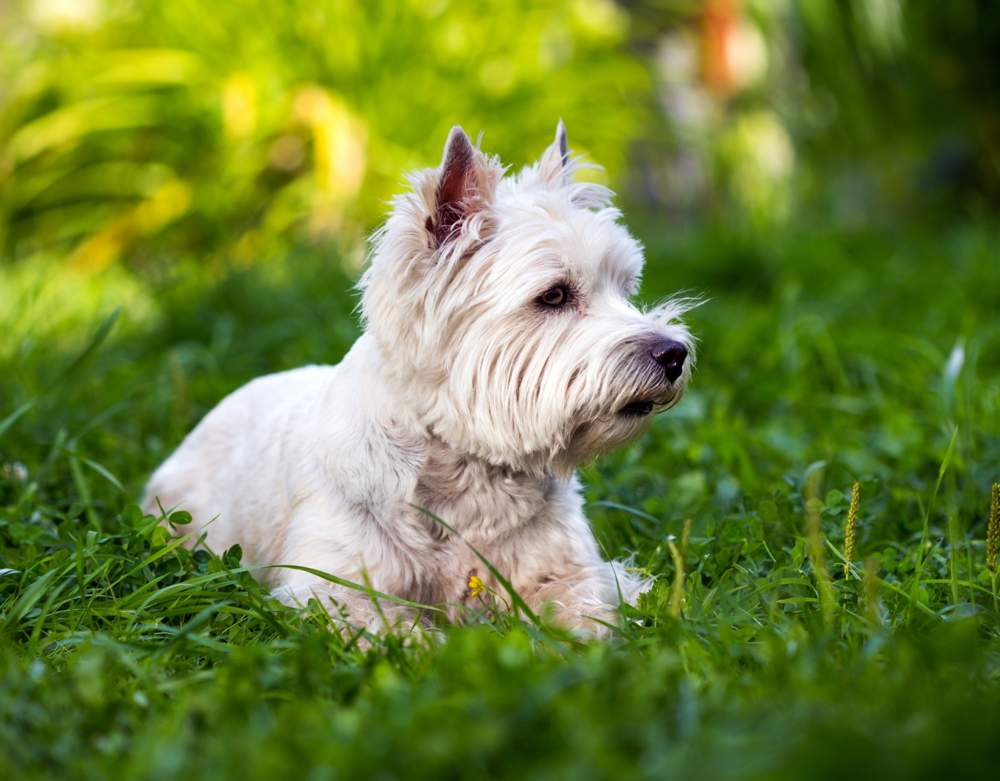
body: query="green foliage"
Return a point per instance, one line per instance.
(825, 357)
(142, 130)
(155, 128)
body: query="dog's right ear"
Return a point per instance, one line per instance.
(461, 189)
(554, 166)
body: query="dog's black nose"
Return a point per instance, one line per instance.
(671, 356)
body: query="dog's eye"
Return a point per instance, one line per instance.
(555, 296)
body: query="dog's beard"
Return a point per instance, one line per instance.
(616, 406)
(619, 424)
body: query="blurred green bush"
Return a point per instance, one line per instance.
(131, 128)
(142, 130)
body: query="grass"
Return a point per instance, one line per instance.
(826, 358)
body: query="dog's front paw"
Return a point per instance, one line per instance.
(587, 600)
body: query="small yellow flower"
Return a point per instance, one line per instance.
(476, 586)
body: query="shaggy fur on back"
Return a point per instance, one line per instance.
(500, 350)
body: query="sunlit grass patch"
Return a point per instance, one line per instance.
(47, 304)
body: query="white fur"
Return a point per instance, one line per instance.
(463, 397)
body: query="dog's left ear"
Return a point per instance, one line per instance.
(462, 188)
(554, 166)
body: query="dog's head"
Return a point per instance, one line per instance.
(501, 306)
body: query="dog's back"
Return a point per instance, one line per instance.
(225, 468)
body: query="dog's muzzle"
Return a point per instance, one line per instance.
(669, 356)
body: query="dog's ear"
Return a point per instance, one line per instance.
(462, 186)
(554, 166)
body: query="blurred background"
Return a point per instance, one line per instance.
(140, 133)
(185, 191)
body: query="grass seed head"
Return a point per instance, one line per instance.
(993, 530)
(850, 527)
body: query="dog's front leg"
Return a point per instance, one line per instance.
(566, 575)
(324, 538)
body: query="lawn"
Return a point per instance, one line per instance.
(826, 358)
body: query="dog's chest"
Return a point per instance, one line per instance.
(457, 502)
(485, 504)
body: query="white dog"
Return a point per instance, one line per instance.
(500, 351)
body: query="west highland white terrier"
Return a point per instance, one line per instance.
(500, 350)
